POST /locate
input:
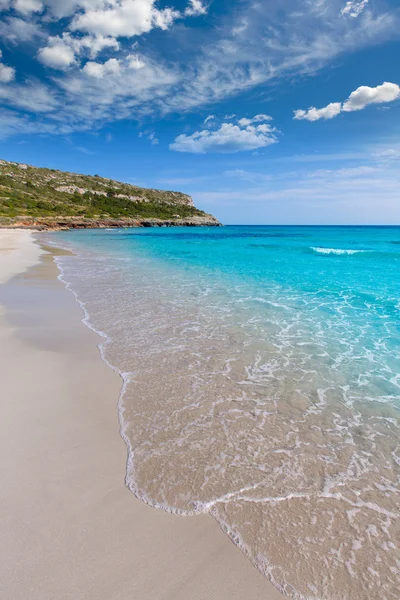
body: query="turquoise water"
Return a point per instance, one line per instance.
(262, 384)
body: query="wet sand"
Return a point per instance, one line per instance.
(70, 528)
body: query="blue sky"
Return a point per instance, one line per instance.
(263, 111)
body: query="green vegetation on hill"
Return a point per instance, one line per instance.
(38, 192)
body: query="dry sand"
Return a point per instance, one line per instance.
(70, 529)
(17, 252)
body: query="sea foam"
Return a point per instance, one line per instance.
(335, 251)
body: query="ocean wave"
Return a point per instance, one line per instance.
(335, 251)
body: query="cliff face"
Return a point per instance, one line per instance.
(47, 199)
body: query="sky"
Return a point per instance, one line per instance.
(265, 111)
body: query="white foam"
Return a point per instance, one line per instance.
(335, 251)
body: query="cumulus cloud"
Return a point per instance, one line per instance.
(95, 44)
(364, 95)
(354, 8)
(314, 114)
(100, 70)
(62, 51)
(227, 138)
(359, 99)
(57, 55)
(196, 8)
(126, 18)
(7, 74)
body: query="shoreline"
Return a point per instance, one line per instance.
(72, 528)
(68, 223)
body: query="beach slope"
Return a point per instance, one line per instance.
(70, 528)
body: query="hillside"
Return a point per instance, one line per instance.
(46, 198)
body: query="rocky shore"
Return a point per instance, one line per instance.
(65, 223)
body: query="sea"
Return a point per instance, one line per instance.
(261, 385)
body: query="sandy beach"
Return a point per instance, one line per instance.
(70, 528)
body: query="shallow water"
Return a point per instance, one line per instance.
(262, 384)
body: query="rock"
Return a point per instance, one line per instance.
(65, 223)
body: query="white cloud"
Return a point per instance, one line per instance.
(354, 8)
(95, 44)
(388, 155)
(151, 136)
(89, 101)
(18, 30)
(32, 96)
(153, 139)
(228, 138)
(27, 7)
(80, 102)
(208, 119)
(244, 122)
(7, 74)
(100, 70)
(66, 8)
(124, 18)
(284, 39)
(12, 123)
(62, 51)
(241, 28)
(314, 114)
(359, 99)
(57, 55)
(261, 117)
(196, 8)
(135, 62)
(364, 95)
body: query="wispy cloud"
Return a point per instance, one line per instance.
(84, 150)
(342, 195)
(151, 136)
